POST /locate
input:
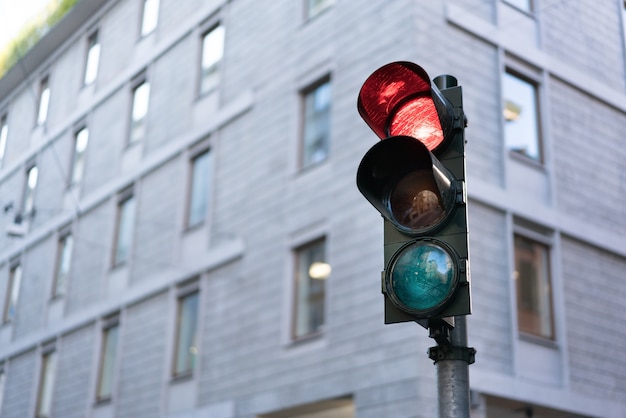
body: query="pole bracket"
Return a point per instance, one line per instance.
(452, 352)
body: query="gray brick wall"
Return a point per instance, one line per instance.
(75, 373)
(594, 289)
(20, 386)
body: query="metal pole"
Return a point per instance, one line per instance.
(452, 358)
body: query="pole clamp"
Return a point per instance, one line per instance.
(452, 352)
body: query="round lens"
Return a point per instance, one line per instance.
(422, 278)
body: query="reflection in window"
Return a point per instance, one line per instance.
(186, 334)
(28, 202)
(106, 370)
(124, 231)
(199, 189)
(534, 295)
(64, 258)
(46, 382)
(212, 52)
(150, 16)
(93, 59)
(521, 127)
(316, 132)
(141, 96)
(311, 272)
(12, 294)
(315, 7)
(44, 101)
(4, 134)
(80, 145)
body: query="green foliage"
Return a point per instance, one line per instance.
(32, 32)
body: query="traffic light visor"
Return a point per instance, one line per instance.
(399, 99)
(406, 184)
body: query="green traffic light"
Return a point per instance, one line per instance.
(422, 277)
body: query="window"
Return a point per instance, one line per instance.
(64, 258)
(150, 16)
(4, 134)
(44, 101)
(141, 96)
(93, 58)
(186, 333)
(534, 295)
(524, 5)
(124, 230)
(108, 354)
(315, 7)
(212, 52)
(28, 201)
(311, 272)
(78, 164)
(13, 294)
(46, 381)
(2, 384)
(316, 130)
(521, 121)
(199, 189)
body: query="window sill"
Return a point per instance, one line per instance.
(521, 158)
(182, 377)
(535, 339)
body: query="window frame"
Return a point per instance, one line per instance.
(189, 360)
(12, 296)
(29, 190)
(538, 240)
(312, 10)
(147, 27)
(107, 361)
(64, 254)
(214, 69)
(45, 385)
(124, 198)
(316, 301)
(308, 118)
(138, 83)
(190, 221)
(43, 102)
(534, 81)
(92, 58)
(78, 156)
(4, 136)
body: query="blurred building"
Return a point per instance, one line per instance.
(182, 236)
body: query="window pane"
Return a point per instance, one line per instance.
(44, 101)
(48, 368)
(2, 384)
(316, 125)
(80, 144)
(212, 52)
(93, 59)
(13, 294)
(199, 189)
(63, 265)
(534, 296)
(4, 134)
(107, 363)
(311, 272)
(150, 16)
(29, 191)
(141, 96)
(125, 228)
(186, 348)
(521, 129)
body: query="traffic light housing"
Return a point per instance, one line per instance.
(415, 178)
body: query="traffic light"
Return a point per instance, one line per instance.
(415, 178)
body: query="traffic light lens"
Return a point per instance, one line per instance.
(417, 117)
(415, 201)
(422, 278)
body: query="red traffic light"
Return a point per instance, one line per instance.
(399, 99)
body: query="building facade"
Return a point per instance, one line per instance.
(182, 235)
